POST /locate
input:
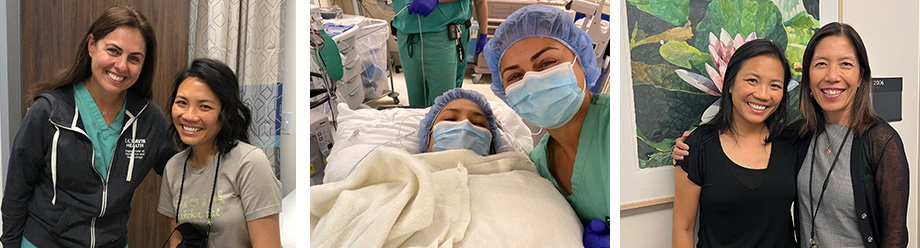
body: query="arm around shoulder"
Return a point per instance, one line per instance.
(162, 133)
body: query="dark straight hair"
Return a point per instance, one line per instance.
(724, 119)
(862, 114)
(235, 117)
(113, 18)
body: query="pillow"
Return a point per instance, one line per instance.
(360, 131)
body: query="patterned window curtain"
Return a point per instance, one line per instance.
(247, 35)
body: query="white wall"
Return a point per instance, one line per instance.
(649, 226)
(890, 30)
(288, 106)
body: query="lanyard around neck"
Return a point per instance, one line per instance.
(213, 186)
(811, 201)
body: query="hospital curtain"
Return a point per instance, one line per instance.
(246, 35)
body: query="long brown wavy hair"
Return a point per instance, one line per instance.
(113, 18)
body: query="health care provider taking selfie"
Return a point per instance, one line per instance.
(543, 65)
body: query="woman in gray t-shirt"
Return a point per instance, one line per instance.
(220, 189)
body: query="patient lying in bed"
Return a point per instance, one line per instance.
(459, 119)
(457, 194)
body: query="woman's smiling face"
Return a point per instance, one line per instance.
(834, 75)
(757, 89)
(536, 54)
(196, 113)
(117, 59)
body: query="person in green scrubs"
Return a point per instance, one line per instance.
(431, 61)
(542, 66)
(104, 136)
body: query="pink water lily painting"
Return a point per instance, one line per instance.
(721, 50)
(679, 50)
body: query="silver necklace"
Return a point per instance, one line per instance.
(827, 150)
(748, 165)
(738, 144)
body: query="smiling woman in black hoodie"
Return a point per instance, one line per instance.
(88, 139)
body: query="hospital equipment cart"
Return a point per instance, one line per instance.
(362, 44)
(320, 145)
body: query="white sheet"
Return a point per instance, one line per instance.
(442, 199)
(288, 220)
(361, 131)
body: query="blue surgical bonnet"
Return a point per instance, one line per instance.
(541, 21)
(424, 127)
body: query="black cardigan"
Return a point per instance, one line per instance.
(881, 182)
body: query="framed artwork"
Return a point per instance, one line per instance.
(678, 50)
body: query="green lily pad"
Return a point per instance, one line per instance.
(661, 155)
(799, 31)
(665, 105)
(664, 145)
(675, 12)
(655, 160)
(789, 7)
(664, 114)
(682, 54)
(741, 17)
(661, 76)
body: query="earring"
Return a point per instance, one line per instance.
(810, 94)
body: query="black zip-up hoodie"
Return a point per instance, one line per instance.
(54, 197)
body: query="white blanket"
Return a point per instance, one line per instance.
(442, 199)
(362, 131)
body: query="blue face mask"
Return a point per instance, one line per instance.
(548, 98)
(451, 135)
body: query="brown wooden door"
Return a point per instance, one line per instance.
(51, 31)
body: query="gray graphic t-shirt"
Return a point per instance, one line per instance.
(246, 190)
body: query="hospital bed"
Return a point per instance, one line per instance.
(289, 226)
(379, 191)
(358, 132)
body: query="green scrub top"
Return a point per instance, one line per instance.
(26, 244)
(104, 137)
(443, 69)
(448, 12)
(590, 196)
